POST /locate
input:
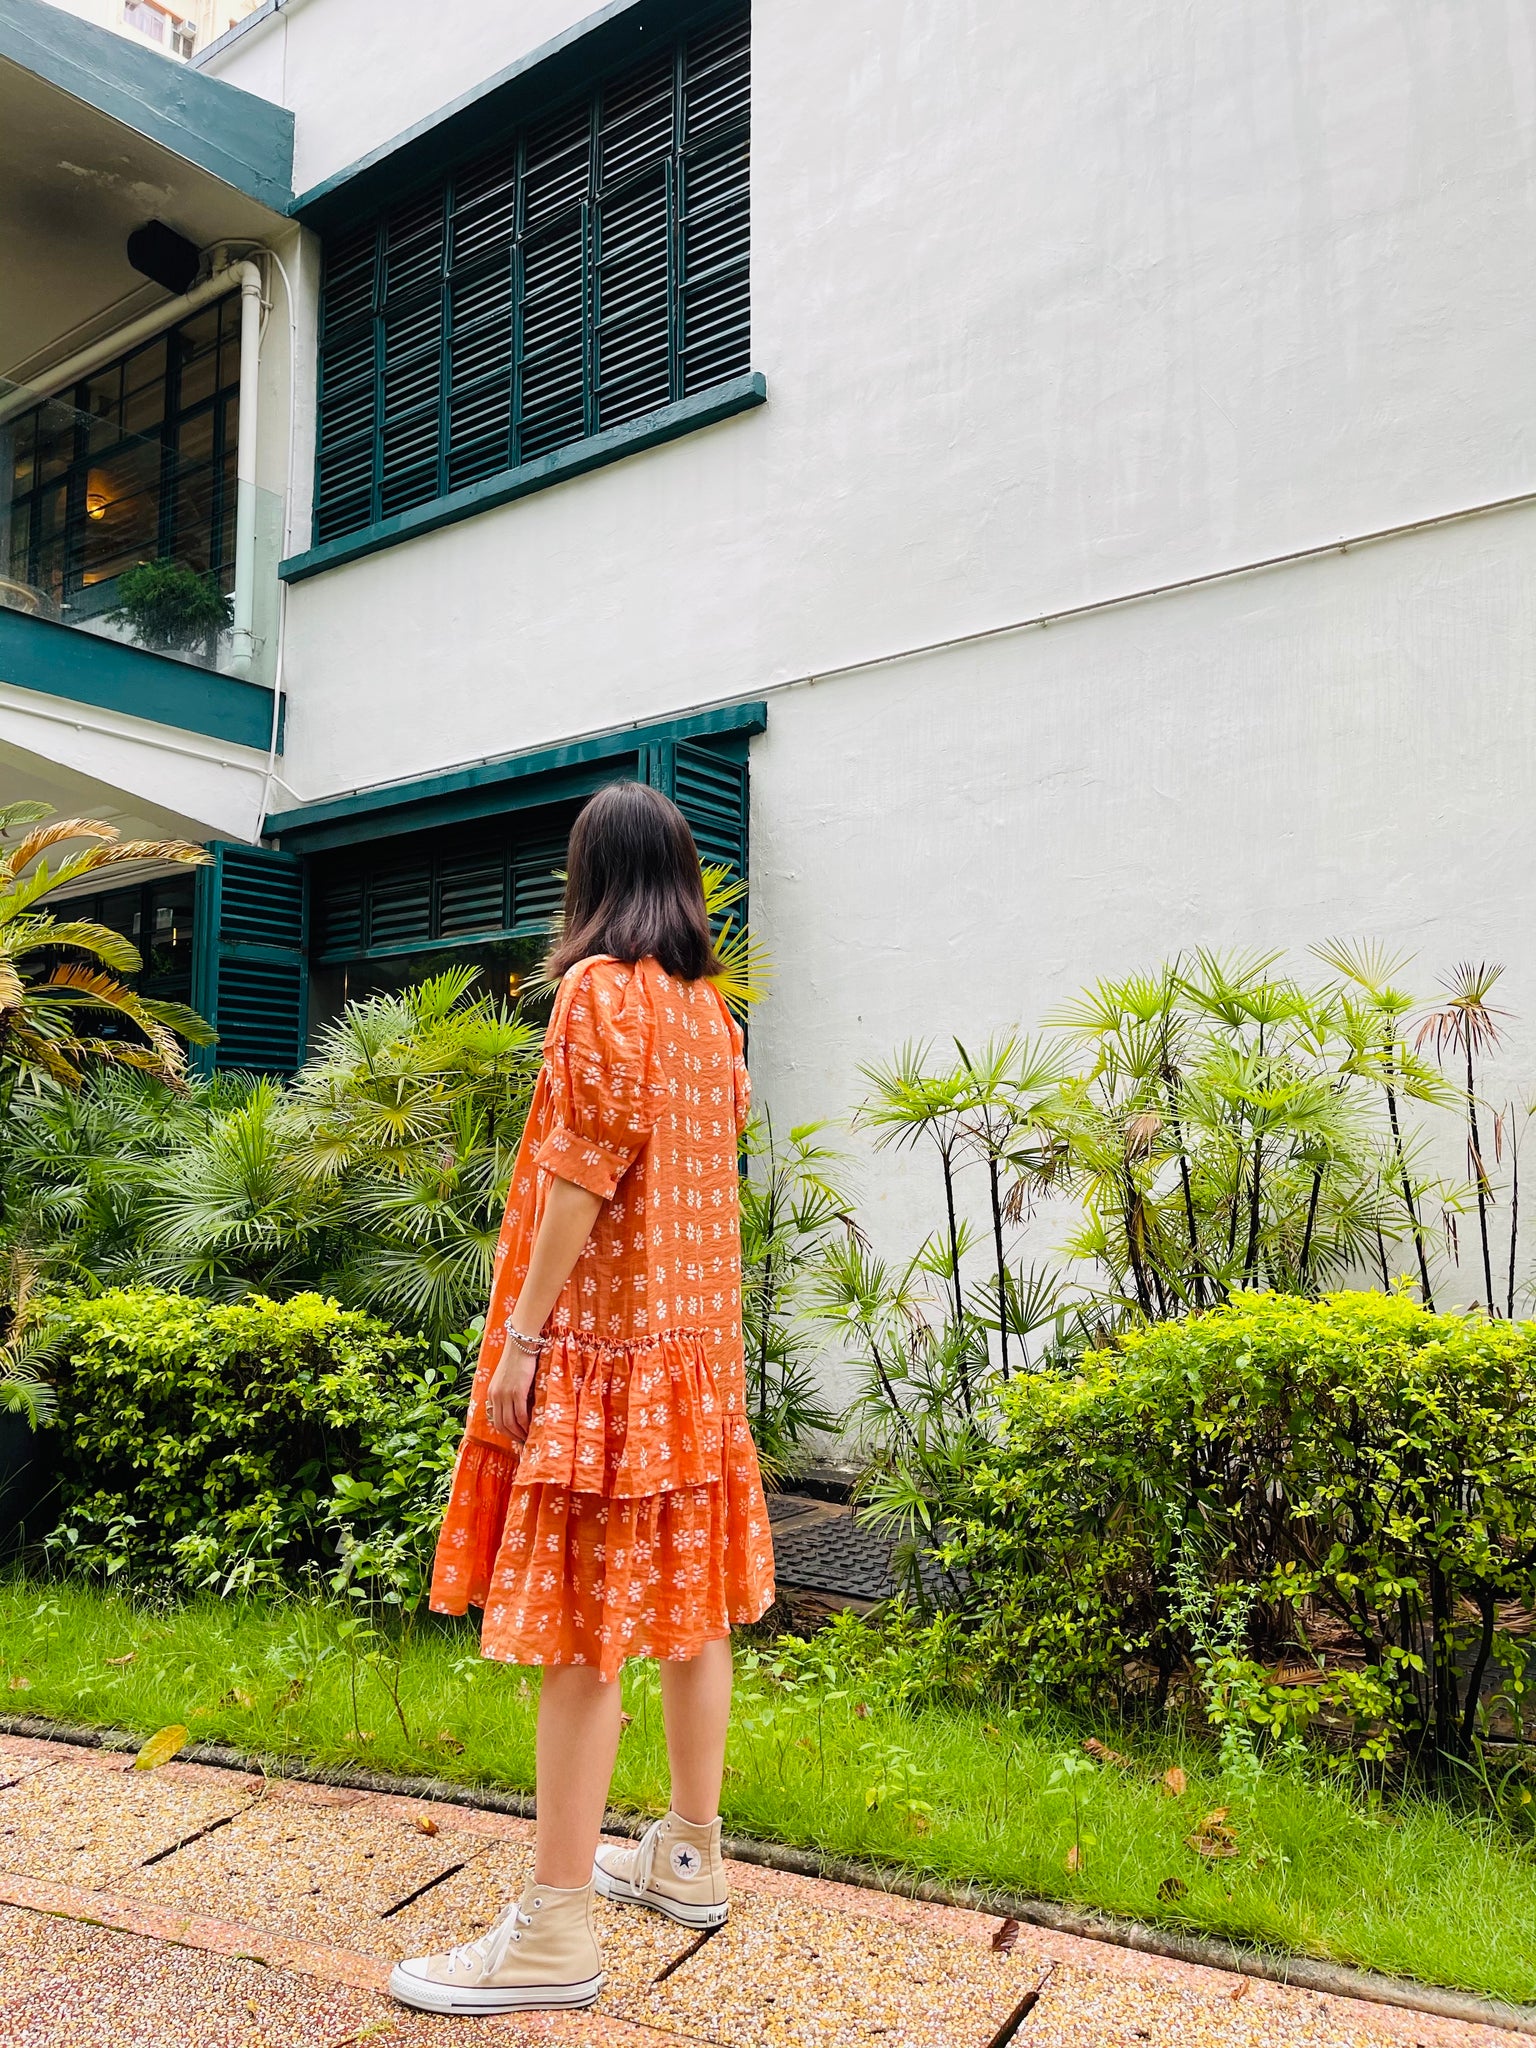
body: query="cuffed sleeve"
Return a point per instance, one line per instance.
(598, 1057)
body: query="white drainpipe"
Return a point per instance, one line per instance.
(243, 650)
(59, 376)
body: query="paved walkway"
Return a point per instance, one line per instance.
(197, 1908)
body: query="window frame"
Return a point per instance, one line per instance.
(357, 506)
(172, 420)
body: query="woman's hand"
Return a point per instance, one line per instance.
(566, 1224)
(509, 1397)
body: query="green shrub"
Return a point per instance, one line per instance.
(173, 608)
(249, 1444)
(1349, 1482)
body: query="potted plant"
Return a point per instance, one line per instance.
(171, 609)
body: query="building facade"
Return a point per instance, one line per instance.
(178, 31)
(1043, 487)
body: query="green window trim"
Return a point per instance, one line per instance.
(585, 270)
(497, 880)
(488, 789)
(706, 408)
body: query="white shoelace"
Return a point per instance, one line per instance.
(480, 1956)
(643, 1857)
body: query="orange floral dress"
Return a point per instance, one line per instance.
(632, 1522)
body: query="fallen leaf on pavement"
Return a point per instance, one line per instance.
(161, 1747)
(425, 1824)
(1240, 1989)
(1004, 1940)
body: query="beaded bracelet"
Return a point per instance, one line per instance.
(532, 1345)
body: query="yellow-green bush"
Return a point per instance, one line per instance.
(1195, 1501)
(245, 1444)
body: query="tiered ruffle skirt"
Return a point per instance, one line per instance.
(631, 1524)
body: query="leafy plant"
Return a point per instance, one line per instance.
(172, 608)
(792, 1206)
(1354, 1479)
(203, 1442)
(378, 1175)
(51, 1004)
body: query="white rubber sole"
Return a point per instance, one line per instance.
(466, 1999)
(620, 1893)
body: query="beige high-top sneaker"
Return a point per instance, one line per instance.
(540, 1956)
(675, 1868)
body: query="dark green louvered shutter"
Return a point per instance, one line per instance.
(710, 790)
(250, 973)
(593, 268)
(347, 455)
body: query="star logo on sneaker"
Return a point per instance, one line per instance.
(685, 1861)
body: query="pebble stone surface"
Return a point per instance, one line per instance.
(189, 1907)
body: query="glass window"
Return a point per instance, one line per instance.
(126, 468)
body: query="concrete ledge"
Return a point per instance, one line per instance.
(84, 668)
(722, 402)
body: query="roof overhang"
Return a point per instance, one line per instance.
(489, 789)
(97, 136)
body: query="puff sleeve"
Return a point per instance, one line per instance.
(599, 1057)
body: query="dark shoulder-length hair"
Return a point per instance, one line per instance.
(633, 888)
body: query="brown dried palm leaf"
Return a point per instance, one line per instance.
(20, 856)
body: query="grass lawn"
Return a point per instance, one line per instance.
(840, 1765)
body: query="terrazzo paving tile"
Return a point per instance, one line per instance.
(20, 1758)
(1082, 2008)
(86, 1824)
(325, 1873)
(784, 1972)
(64, 1984)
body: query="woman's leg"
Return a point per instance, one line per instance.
(696, 1708)
(578, 1744)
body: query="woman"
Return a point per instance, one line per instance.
(606, 1503)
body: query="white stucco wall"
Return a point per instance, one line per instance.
(1053, 303)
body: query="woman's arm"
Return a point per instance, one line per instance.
(565, 1226)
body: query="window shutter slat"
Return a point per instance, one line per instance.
(711, 792)
(400, 907)
(538, 885)
(471, 897)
